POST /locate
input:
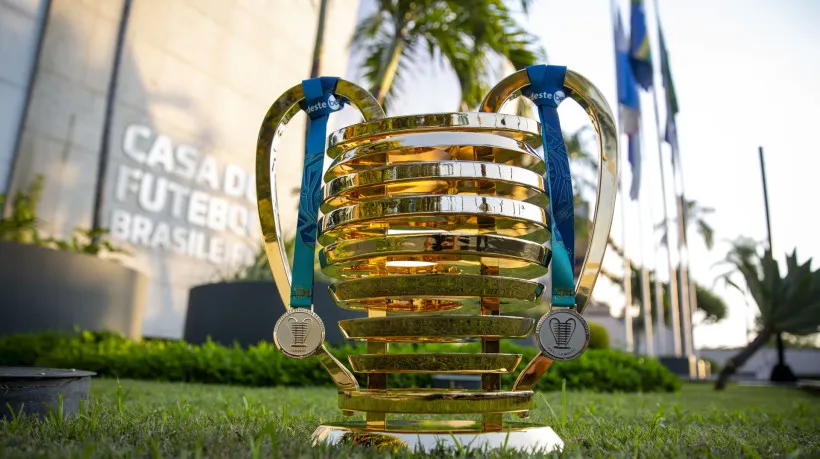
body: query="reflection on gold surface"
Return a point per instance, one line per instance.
(371, 440)
(442, 253)
(490, 149)
(435, 363)
(437, 327)
(436, 178)
(434, 292)
(435, 401)
(515, 127)
(349, 225)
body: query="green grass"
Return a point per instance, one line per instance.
(146, 419)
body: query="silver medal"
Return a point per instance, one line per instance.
(299, 333)
(562, 334)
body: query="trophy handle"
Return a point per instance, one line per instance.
(273, 125)
(593, 102)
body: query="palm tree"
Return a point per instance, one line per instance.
(713, 306)
(789, 304)
(316, 65)
(694, 215)
(318, 46)
(466, 35)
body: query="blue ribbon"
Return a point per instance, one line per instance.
(546, 90)
(319, 103)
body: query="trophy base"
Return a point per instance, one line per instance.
(426, 436)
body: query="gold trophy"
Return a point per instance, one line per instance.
(437, 226)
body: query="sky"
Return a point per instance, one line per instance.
(745, 73)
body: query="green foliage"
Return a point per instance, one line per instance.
(263, 365)
(21, 226)
(694, 214)
(468, 36)
(711, 304)
(87, 241)
(789, 303)
(598, 336)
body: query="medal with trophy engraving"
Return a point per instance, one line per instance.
(437, 227)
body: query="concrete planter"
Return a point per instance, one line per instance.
(45, 289)
(245, 313)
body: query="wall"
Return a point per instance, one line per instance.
(63, 126)
(195, 81)
(21, 23)
(803, 362)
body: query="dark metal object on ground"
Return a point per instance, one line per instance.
(36, 391)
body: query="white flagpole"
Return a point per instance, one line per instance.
(649, 348)
(688, 288)
(673, 277)
(627, 279)
(681, 306)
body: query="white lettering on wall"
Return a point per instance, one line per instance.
(141, 230)
(207, 173)
(129, 142)
(150, 183)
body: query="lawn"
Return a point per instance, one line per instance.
(147, 419)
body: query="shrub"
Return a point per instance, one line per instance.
(112, 355)
(598, 336)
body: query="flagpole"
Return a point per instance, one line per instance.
(645, 288)
(645, 304)
(627, 279)
(688, 291)
(661, 314)
(629, 336)
(660, 320)
(673, 277)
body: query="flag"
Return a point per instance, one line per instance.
(640, 57)
(629, 104)
(671, 135)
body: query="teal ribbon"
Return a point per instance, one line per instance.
(546, 90)
(319, 103)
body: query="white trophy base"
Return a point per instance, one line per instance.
(425, 437)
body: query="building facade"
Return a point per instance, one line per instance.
(166, 96)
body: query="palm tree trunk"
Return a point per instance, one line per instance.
(780, 347)
(389, 68)
(316, 66)
(737, 361)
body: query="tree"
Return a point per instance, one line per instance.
(695, 215)
(318, 44)
(787, 304)
(318, 47)
(468, 36)
(713, 306)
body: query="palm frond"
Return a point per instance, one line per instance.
(789, 303)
